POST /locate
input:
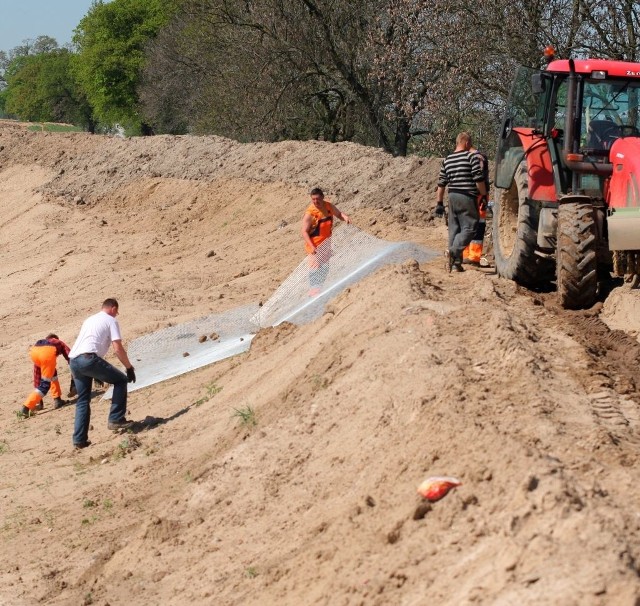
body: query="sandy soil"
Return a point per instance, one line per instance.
(409, 373)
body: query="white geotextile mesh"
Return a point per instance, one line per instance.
(352, 254)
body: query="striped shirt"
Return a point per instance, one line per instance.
(461, 171)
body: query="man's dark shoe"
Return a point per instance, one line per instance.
(120, 425)
(58, 403)
(82, 445)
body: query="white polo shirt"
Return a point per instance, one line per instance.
(96, 335)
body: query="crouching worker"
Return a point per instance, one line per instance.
(45, 374)
(317, 226)
(97, 334)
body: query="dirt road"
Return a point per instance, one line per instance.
(408, 374)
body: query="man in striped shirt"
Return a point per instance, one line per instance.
(462, 173)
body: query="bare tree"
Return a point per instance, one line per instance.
(611, 28)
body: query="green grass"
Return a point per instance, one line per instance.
(319, 382)
(126, 446)
(212, 389)
(88, 521)
(246, 416)
(55, 128)
(3, 447)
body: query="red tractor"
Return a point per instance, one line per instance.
(567, 203)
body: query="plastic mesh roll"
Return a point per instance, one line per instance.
(347, 257)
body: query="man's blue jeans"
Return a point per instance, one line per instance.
(84, 369)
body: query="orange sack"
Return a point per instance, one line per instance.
(433, 489)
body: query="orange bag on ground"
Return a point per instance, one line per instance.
(433, 489)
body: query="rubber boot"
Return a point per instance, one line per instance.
(58, 403)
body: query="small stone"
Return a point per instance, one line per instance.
(214, 336)
(202, 338)
(185, 354)
(211, 253)
(422, 510)
(393, 536)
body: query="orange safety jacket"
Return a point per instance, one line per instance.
(321, 225)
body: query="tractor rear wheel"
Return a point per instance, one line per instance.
(515, 234)
(577, 264)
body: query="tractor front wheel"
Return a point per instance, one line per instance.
(515, 234)
(576, 262)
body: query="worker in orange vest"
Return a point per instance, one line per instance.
(45, 375)
(472, 254)
(317, 225)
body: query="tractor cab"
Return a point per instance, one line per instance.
(580, 114)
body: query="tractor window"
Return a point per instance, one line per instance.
(525, 111)
(560, 105)
(609, 111)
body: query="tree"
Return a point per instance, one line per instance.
(611, 28)
(272, 69)
(110, 41)
(40, 87)
(402, 74)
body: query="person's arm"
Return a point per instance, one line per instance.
(65, 351)
(307, 226)
(440, 195)
(121, 354)
(338, 213)
(477, 173)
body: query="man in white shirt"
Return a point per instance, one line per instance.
(86, 360)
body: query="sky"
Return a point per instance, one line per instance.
(27, 19)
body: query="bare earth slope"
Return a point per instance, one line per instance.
(409, 373)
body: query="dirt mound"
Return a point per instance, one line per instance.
(288, 475)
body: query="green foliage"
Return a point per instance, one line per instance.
(246, 416)
(54, 128)
(212, 390)
(41, 88)
(111, 40)
(126, 446)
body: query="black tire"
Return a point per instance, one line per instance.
(577, 263)
(515, 234)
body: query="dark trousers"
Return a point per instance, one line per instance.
(84, 369)
(463, 221)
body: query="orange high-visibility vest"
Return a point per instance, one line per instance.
(321, 225)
